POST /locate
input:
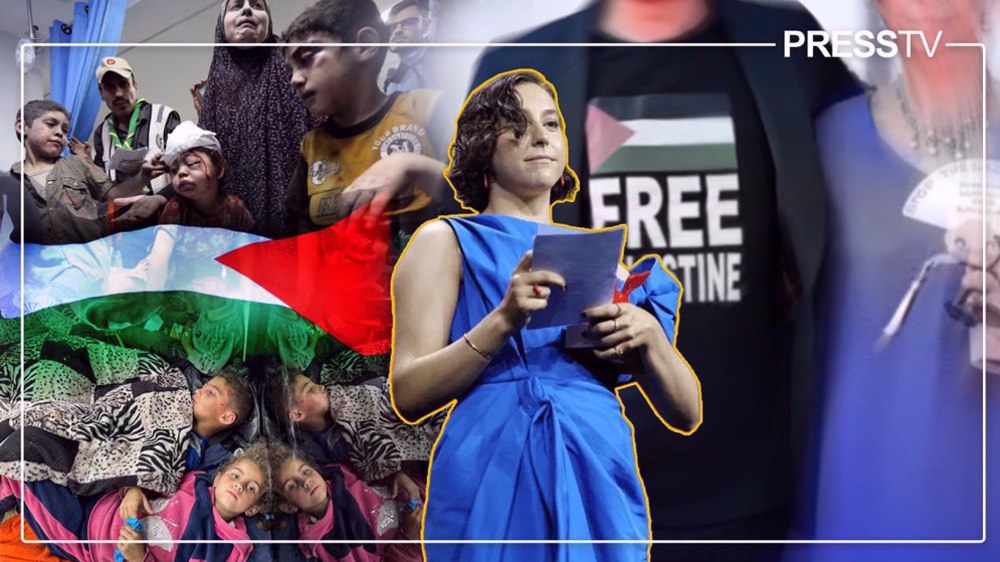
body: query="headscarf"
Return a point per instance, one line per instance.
(249, 104)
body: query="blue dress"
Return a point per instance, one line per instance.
(538, 448)
(901, 432)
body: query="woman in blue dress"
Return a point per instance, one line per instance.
(536, 445)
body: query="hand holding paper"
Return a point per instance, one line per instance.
(587, 261)
(128, 161)
(528, 292)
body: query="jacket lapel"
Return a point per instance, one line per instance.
(785, 113)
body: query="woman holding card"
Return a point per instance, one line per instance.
(536, 446)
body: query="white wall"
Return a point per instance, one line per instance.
(10, 98)
(166, 74)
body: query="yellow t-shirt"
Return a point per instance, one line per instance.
(333, 158)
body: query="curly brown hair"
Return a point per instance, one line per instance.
(260, 453)
(493, 107)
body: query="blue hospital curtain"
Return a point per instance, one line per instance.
(71, 70)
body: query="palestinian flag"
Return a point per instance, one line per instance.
(337, 278)
(660, 133)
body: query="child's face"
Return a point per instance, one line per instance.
(322, 77)
(194, 177)
(46, 135)
(310, 402)
(211, 403)
(300, 485)
(238, 489)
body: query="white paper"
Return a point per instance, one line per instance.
(128, 161)
(587, 260)
(953, 195)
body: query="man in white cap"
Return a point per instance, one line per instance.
(133, 124)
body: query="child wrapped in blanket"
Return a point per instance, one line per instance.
(355, 423)
(144, 431)
(204, 508)
(333, 504)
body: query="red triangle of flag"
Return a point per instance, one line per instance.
(338, 278)
(605, 135)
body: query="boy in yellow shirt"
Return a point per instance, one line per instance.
(373, 149)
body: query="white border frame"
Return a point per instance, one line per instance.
(980, 46)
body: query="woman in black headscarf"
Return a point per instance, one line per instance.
(249, 104)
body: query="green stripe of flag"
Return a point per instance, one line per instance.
(696, 158)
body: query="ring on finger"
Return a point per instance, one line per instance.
(618, 309)
(537, 289)
(619, 351)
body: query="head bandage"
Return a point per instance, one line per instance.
(188, 136)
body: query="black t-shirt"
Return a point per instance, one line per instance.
(676, 150)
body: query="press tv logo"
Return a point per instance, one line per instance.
(864, 43)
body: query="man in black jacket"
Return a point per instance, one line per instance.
(708, 154)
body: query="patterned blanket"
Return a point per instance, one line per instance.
(378, 441)
(127, 428)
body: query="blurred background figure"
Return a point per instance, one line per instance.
(900, 422)
(409, 21)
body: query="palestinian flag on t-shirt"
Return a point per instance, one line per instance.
(663, 134)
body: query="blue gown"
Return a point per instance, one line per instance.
(538, 448)
(901, 449)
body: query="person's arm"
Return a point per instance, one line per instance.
(159, 259)
(426, 371)
(384, 179)
(206, 107)
(98, 182)
(103, 189)
(135, 184)
(631, 334)
(297, 198)
(131, 551)
(99, 147)
(133, 500)
(80, 148)
(141, 208)
(196, 96)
